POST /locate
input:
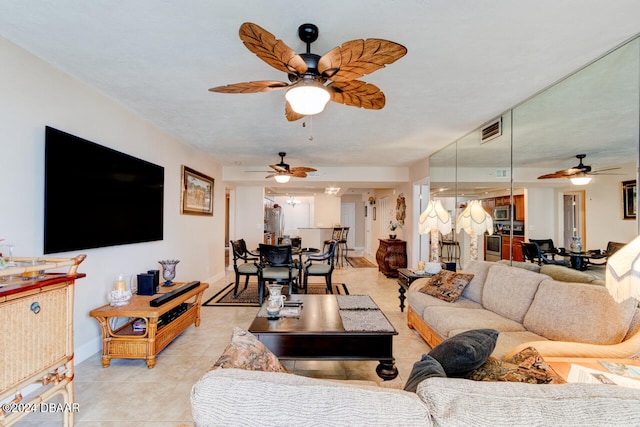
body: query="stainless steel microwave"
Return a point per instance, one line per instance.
(502, 213)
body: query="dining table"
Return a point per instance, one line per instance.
(580, 260)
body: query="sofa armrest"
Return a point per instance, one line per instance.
(622, 350)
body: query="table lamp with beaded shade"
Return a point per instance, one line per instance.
(474, 220)
(435, 219)
(622, 276)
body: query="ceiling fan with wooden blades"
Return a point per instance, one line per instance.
(283, 172)
(331, 76)
(581, 170)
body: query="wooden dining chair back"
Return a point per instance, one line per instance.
(276, 265)
(244, 263)
(320, 265)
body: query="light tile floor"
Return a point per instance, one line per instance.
(129, 394)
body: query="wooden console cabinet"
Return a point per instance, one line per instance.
(36, 335)
(125, 342)
(391, 255)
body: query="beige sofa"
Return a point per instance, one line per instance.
(236, 397)
(559, 319)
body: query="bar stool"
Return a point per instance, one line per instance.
(336, 235)
(343, 247)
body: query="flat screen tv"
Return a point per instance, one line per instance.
(95, 196)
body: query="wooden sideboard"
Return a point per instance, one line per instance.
(391, 255)
(36, 335)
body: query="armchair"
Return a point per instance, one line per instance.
(247, 268)
(276, 265)
(323, 266)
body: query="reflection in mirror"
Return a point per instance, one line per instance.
(596, 112)
(442, 183)
(593, 112)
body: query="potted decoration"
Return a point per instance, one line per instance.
(393, 226)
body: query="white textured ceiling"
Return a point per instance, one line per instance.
(467, 62)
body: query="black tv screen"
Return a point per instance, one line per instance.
(95, 196)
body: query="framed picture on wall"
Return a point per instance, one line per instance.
(629, 199)
(196, 195)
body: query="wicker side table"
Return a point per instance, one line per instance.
(127, 343)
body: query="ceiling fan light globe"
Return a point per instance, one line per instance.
(580, 179)
(282, 179)
(307, 98)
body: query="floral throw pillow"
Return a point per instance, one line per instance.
(526, 366)
(246, 352)
(447, 285)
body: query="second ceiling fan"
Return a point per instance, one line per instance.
(308, 72)
(580, 172)
(283, 172)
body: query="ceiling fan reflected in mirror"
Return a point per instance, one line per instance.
(283, 172)
(315, 80)
(579, 175)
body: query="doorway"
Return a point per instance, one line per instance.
(348, 219)
(573, 210)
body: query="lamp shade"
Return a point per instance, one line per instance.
(282, 179)
(622, 276)
(474, 219)
(580, 179)
(434, 217)
(308, 97)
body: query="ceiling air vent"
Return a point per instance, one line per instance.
(492, 130)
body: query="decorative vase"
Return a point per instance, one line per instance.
(169, 271)
(392, 236)
(576, 244)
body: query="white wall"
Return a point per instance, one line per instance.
(34, 94)
(326, 210)
(248, 215)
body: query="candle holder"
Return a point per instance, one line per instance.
(121, 294)
(169, 270)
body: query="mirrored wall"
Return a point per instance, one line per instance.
(594, 112)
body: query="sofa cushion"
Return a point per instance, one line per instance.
(424, 368)
(418, 301)
(563, 311)
(479, 269)
(460, 402)
(246, 352)
(509, 291)
(465, 352)
(566, 274)
(234, 397)
(521, 264)
(444, 320)
(526, 366)
(447, 285)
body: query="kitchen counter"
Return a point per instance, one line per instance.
(314, 237)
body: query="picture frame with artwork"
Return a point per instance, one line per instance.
(196, 195)
(629, 199)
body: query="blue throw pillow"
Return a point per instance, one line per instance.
(462, 353)
(425, 368)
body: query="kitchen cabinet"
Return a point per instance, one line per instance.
(518, 207)
(503, 201)
(517, 247)
(488, 205)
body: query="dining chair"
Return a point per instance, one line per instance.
(248, 267)
(546, 247)
(276, 265)
(532, 252)
(320, 265)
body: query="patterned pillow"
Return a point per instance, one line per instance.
(246, 352)
(447, 285)
(526, 366)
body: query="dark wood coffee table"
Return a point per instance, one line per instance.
(318, 334)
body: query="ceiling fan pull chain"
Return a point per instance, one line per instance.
(310, 128)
